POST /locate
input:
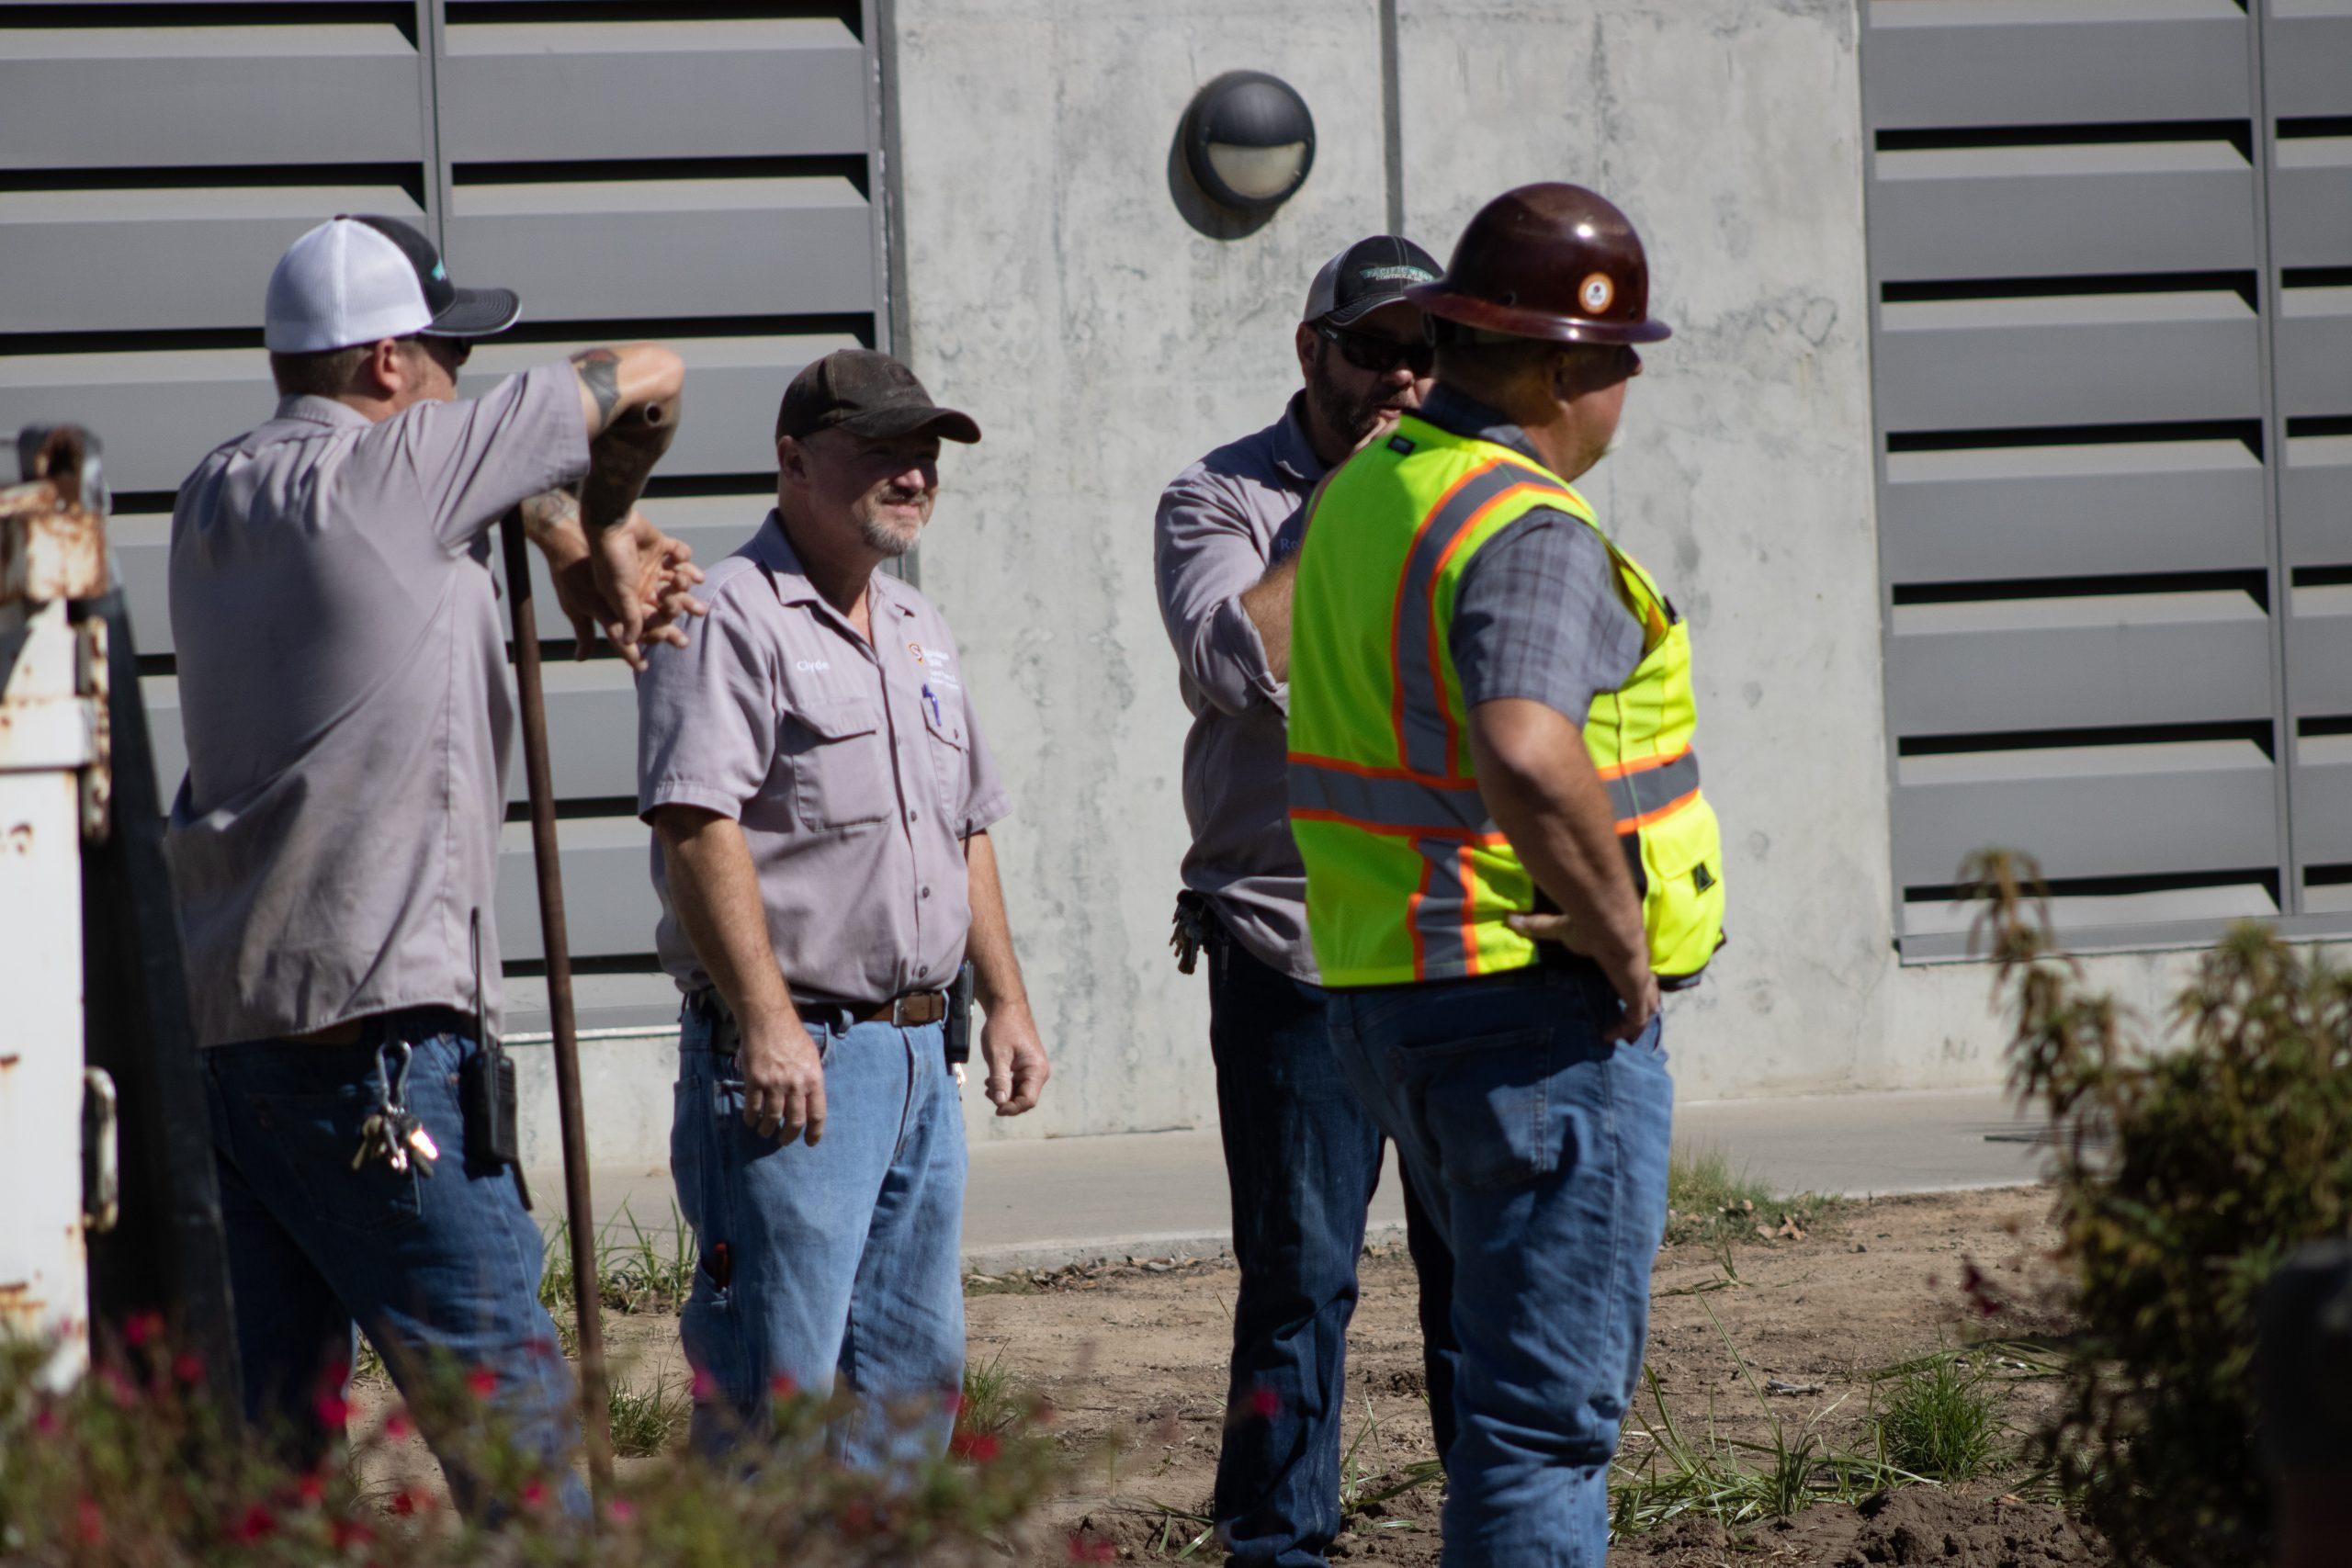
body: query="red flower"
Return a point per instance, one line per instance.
(1264, 1401)
(349, 1533)
(857, 1519)
(978, 1446)
(705, 1387)
(953, 1401)
(45, 1421)
(119, 1389)
(189, 1366)
(332, 1409)
(1084, 1547)
(483, 1382)
(311, 1490)
(782, 1386)
(89, 1522)
(397, 1427)
(141, 1326)
(406, 1503)
(255, 1523)
(620, 1510)
(533, 1494)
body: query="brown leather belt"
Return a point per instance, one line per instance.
(909, 1011)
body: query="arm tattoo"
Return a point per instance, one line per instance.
(548, 514)
(599, 371)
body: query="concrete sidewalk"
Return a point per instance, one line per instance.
(1039, 1203)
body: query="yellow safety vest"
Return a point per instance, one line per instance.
(1408, 878)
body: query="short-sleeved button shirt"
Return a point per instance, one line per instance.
(855, 768)
(343, 694)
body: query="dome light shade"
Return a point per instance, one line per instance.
(1249, 140)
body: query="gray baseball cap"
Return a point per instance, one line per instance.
(1364, 277)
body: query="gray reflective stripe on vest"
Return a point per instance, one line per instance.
(1423, 742)
(1438, 917)
(1399, 804)
(1635, 795)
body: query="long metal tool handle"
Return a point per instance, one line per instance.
(594, 1406)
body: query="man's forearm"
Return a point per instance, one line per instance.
(996, 972)
(630, 397)
(551, 521)
(1540, 786)
(716, 890)
(1267, 604)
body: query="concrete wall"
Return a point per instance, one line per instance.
(1055, 291)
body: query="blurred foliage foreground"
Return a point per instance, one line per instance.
(2191, 1157)
(133, 1465)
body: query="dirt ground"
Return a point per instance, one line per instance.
(1756, 1341)
(1789, 1330)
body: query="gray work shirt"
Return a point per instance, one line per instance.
(856, 771)
(343, 691)
(1221, 524)
(1536, 614)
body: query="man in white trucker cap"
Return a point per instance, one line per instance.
(334, 843)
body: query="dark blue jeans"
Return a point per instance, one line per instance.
(1302, 1158)
(1544, 1151)
(443, 1272)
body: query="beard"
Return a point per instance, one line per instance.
(883, 536)
(1352, 414)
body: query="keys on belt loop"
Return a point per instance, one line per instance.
(393, 1132)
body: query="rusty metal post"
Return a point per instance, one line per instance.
(579, 1217)
(53, 792)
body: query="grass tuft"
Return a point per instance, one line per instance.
(1707, 1201)
(1941, 1421)
(648, 1420)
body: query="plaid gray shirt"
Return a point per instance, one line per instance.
(1536, 614)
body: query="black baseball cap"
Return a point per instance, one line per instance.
(867, 394)
(1367, 274)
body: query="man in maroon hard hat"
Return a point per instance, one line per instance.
(1494, 788)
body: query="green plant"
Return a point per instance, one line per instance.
(1736, 1482)
(1706, 1200)
(132, 1465)
(992, 1400)
(648, 1420)
(2187, 1168)
(1367, 1486)
(1941, 1420)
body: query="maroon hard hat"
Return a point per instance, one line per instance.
(1554, 262)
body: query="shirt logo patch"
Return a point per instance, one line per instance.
(809, 666)
(1399, 446)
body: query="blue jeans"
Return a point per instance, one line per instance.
(1546, 1153)
(1302, 1159)
(442, 1271)
(841, 1260)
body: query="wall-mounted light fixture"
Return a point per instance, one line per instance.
(1248, 142)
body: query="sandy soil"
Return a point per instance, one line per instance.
(1133, 1360)
(1789, 1330)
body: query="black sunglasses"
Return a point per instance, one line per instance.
(1368, 351)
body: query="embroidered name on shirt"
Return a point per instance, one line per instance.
(810, 666)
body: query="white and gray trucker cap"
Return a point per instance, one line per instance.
(356, 279)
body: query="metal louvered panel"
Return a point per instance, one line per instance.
(2087, 811)
(775, 87)
(1942, 64)
(738, 224)
(2307, 57)
(2315, 350)
(713, 247)
(2315, 501)
(2058, 211)
(2067, 360)
(314, 92)
(2311, 217)
(2319, 651)
(2042, 512)
(2100, 662)
(85, 261)
(2324, 795)
(2069, 202)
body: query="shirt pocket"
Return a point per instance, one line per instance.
(950, 748)
(839, 763)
